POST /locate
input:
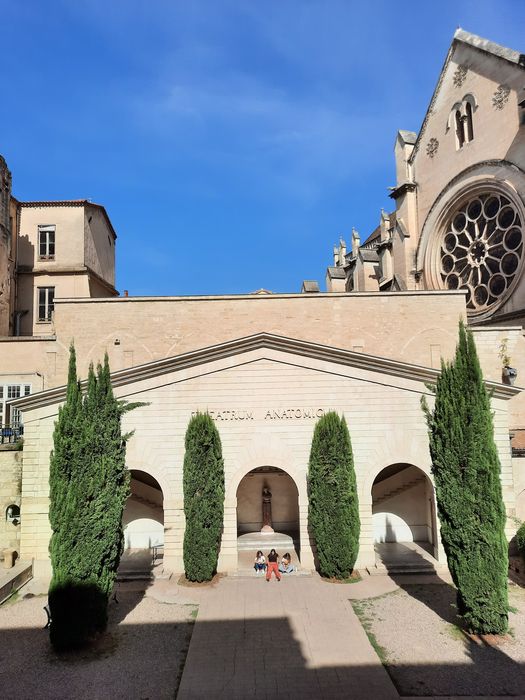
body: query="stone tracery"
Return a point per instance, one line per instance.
(482, 249)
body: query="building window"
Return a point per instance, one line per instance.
(46, 242)
(8, 392)
(469, 127)
(460, 135)
(462, 121)
(46, 298)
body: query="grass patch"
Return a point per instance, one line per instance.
(13, 598)
(361, 609)
(454, 632)
(355, 577)
(183, 581)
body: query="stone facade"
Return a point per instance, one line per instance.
(266, 366)
(265, 393)
(10, 494)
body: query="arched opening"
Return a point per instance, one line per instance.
(460, 134)
(469, 124)
(143, 522)
(267, 515)
(404, 518)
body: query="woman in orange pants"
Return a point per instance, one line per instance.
(273, 558)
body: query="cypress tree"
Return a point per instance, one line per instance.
(466, 471)
(333, 508)
(203, 484)
(89, 485)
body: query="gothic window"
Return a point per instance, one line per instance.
(482, 249)
(460, 136)
(461, 119)
(469, 127)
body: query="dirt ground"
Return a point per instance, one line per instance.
(417, 634)
(141, 655)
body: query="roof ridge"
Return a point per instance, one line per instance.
(489, 46)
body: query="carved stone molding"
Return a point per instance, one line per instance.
(501, 97)
(432, 147)
(460, 75)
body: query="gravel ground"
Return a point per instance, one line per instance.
(141, 655)
(415, 632)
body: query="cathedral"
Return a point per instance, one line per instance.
(267, 366)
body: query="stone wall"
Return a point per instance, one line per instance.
(265, 403)
(410, 327)
(10, 493)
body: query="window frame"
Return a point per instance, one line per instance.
(44, 302)
(12, 416)
(46, 241)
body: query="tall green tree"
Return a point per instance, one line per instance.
(333, 507)
(466, 471)
(203, 498)
(89, 485)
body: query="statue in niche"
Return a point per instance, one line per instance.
(267, 510)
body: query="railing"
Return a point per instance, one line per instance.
(9, 434)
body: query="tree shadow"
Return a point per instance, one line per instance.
(136, 573)
(244, 658)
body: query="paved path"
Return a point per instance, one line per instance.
(298, 638)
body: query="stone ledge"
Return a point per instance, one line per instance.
(14, 578)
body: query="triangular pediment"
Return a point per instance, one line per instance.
(468, 54)
(248, 349)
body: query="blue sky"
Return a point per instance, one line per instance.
(232, 142)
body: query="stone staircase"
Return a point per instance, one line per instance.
(137, 565)
(394, 558)
(407, 485)
(145, 501)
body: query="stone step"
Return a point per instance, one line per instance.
(135, 576)
(249, 573)
(393, 569)
(254, 541)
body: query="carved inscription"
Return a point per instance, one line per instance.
(277, 414)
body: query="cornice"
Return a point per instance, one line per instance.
(268, 341)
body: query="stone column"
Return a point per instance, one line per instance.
(307, 555)
(366, 556)
(228, 561)
(174, 525)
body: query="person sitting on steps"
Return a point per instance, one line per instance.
(286, 566)
(260, 562)
(273, 558)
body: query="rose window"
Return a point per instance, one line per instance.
(482, 249)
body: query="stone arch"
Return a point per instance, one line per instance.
(285, 501)
(492, 176)
(140, 456)
(96, 352)
(403, 505)
(259, 453)
(394, 451)
(426, 337)
(262, 452)
(143, 517)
